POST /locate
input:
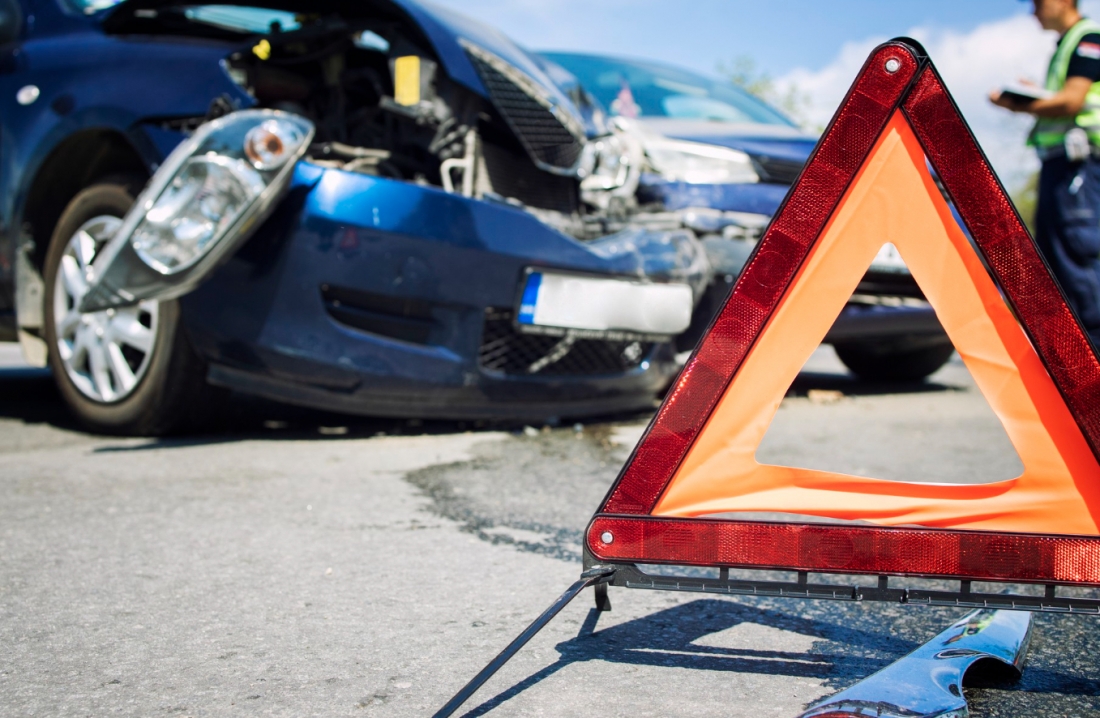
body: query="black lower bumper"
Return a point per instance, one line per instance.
(485, 398)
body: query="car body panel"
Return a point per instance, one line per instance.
(757, 198)
(262, 322)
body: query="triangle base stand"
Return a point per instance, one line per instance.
(861, 588)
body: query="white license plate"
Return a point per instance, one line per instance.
(589, 303)
(889, 259)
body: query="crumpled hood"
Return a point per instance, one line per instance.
(444, 28)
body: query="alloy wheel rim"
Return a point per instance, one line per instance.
(105, 353)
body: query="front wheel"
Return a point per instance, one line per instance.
(894, 361)
(128, 370)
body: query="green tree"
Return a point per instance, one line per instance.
(744, 73)
(1026, 199)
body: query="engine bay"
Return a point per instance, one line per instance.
(343, 79)
(382, 105)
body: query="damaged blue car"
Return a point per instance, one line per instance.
(376, 207)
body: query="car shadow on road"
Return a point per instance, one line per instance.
(849, 385)
(30, 396)
(677, 637)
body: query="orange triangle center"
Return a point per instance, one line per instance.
(894, 199)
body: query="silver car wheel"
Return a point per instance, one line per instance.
(105, 354)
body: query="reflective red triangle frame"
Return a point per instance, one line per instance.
(1012, 257)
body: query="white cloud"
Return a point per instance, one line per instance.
(972, 64)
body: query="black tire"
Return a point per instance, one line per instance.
(890, 361)
(172, 394)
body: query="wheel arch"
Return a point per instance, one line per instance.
(76, 162)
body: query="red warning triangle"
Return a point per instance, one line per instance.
(869, 182)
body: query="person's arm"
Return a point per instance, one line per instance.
(1067, 102)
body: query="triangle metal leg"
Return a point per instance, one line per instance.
(595, 576)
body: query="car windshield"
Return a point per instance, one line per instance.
(642, 89)
(90, 6)
(252, 20)
(243, 19)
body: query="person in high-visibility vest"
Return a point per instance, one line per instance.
(1067, 138)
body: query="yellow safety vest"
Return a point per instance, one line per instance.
(1050, 132)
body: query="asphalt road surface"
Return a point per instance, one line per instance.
(301, 564)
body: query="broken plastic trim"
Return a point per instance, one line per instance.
(928, 682)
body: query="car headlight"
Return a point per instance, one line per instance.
(216, 184)
(208, 195)
(612, 166)
(201, 204)
(698, 163)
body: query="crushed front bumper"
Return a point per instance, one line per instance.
(382, 297)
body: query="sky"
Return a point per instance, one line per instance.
(816, 46)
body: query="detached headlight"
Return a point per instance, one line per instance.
(207, 196)
(200, 205)
(213, 184)
(697, 163)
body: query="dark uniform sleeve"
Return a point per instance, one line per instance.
(1085, 61)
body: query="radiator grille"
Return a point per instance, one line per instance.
(505, 350)
(546, 133)
(511, 174)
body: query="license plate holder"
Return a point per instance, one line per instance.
(558, 303)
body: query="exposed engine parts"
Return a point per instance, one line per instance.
(382, 106)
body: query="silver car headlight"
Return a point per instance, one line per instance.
(206, 197)
(201, 204)
(698, 163)
(612, 167)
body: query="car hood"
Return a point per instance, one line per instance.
(441, 27)
(445, 27)
(759, 140)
